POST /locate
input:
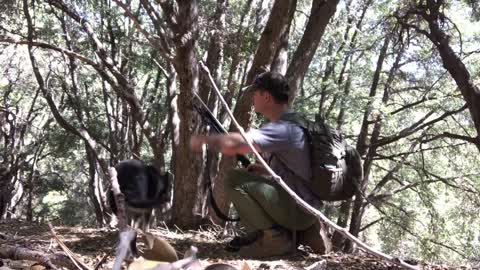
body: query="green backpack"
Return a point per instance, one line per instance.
(336, 166)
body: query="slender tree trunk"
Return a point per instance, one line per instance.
(344, 212)
(362, 147)
(453, 64)
(280, 60)
(30, 186)
(338, 239)
(93, 193)
(325, 85)
(113, 74)
(5, 190)
(320, 15)
(263, 58)
(235, 77)
(7, 119)
(173, 118)
(346, 60)
(343, 101)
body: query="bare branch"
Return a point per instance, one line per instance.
(473, 140)
(44, 45)
(416, 126)
(153, 40)
(380, 156)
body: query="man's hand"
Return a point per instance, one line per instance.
(197, 142)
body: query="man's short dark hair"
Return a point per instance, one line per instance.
(275, 83)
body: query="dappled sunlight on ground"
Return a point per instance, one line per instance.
(91, 245)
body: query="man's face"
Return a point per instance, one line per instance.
(260, 100)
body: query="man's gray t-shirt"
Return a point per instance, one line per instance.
(284, 147)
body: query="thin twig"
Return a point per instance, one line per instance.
(102, 260)
(76, 261)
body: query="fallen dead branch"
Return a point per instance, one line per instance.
(74, 258)
(48, 260)
(102, 261)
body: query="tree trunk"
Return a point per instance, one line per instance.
(188, 167)
(214, 63)
(108, 70)
(263, 58)
(320, 15)
(325, 85)
(280, 60)
(234, 50)
(348, 55)
(5, 190)
(343, 108)
(93, 193)
(454, 65)
(362, 147)
(337, 238)
(376, 129)
(30, 186)
(7, 119)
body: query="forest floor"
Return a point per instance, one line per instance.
(91, 245)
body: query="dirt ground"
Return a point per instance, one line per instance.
(92, 245)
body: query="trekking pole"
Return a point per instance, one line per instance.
(208, 117)
(299, 200)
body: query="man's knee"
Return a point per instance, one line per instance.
(233, 179)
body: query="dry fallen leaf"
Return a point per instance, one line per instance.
(220, 266)
(245, 266)
(143, 264)
(37, 266)
(158, 249)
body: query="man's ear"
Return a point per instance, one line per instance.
(268, 97)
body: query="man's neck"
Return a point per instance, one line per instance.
(276, 112)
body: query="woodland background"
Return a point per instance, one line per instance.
(85, 84)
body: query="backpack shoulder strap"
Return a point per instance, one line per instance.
(297, 119)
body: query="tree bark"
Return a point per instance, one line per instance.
(432, 13)
(7, 167)
(265, 53)
(453, 64)
(234, 49)
(280, 59)
(320, 15)
(214, 63)
(93, 192)
(362, 147)
(188, 168)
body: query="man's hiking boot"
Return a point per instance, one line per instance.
(244, 240)
(316, 238)
(273, 242)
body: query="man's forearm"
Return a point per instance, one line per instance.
(229, 144)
